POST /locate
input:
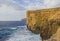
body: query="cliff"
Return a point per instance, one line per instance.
(45, 22)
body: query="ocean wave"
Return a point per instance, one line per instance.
(23, 34)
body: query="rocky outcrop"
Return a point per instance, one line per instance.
(45, 22)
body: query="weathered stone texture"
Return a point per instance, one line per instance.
(45, 22)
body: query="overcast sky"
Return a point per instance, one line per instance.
(15, 10)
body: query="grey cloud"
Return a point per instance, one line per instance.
(12, 3)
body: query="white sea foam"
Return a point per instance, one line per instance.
(22, 34)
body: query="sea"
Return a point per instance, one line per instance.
(18, 33)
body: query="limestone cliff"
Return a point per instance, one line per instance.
(44, 22)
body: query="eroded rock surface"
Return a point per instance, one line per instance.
(45, 22)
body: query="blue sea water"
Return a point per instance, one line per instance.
(20, 33)
(6, 32)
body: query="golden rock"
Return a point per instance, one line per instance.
(45, 22)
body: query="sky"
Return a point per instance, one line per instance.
(15, 10)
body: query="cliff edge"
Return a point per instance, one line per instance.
(45, 22)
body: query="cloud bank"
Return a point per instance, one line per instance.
(11, 11)
(42, 4)
(15, 10)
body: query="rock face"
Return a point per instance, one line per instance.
(45, 22)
